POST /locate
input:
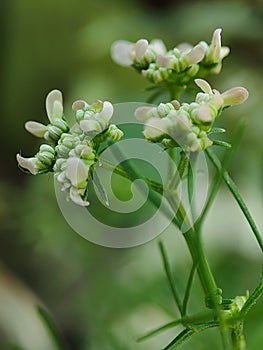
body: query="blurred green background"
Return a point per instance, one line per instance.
(102, 298)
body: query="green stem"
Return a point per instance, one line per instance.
(169, 275)
(234, 190)
(192, 238)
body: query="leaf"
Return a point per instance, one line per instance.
(51, 328)
(222, 144)
(169, 276)
(235, 192)
(216, 131)
(188, 333)
(97, 183)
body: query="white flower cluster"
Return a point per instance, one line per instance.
(180, 65)
(72, 151)
(187, 125)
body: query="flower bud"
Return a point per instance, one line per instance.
(114, 132)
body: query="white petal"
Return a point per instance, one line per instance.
(142, 113)
(196, 54)
(140, 48)
(215, 46)
(224, 52)
(54, 105)
(88, 125)
(234, 96)
(79, 104)
(27, 163)
(184, 47)
(158, 46)
(106, 112)
(156, 127)
(76, 171)
(35, 128)
(76, 198)
(163, 61)
(204, 86)
(120, 52)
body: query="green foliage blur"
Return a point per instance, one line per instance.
(102, 298)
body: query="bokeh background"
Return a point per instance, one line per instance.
(102, 298)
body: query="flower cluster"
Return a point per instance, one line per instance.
(179, 65)
(188, 125)
(71, 151)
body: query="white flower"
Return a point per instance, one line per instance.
(54, 106)
(97, 121)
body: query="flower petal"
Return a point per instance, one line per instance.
(204, 86)
(54, 105)
(27, 163)
(35, 128)
(106, 112)
(120, 52)
(140, 48)
(142, 113)
(76, 197)
(158, 46)
(76, 171)
(235, 96)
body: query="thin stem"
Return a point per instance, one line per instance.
(169, 275)
(218, 179)
(188, 288)
(234, 190)
(195, 247)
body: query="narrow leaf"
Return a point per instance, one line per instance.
(188, 333)
(97, 183)
(234, 190)
(222, 143)
(169, 276)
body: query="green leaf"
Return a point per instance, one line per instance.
(216, 131)
(97, 183)
(188, 287)
(169, 276)
(51, 328)
(234, 190)
(188, 333)
(222, 144)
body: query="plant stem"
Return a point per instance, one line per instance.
(234, 190)
(195, 247)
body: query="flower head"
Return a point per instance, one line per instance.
(179, 65)
(187, 125)
(72, 151)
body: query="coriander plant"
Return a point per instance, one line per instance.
(183, 127)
